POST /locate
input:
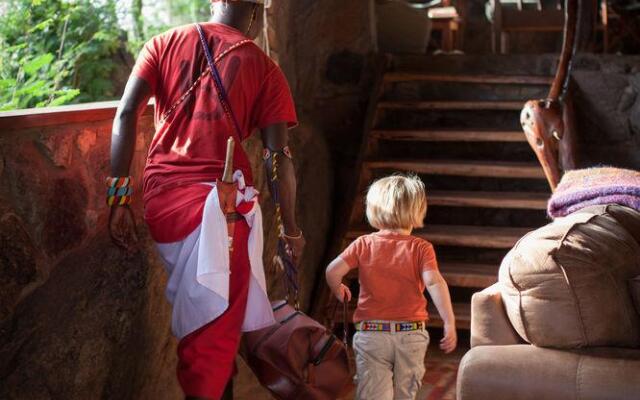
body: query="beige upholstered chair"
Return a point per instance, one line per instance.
(563, 322)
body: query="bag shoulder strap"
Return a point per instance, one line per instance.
(217, 80)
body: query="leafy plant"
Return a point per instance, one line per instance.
(56, 51)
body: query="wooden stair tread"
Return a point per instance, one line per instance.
(408, 76)
(459, 274)
(462, 312)
(520, 200)
(452, 105)
(473, 236)
(462, 235)
(451, 135)
(496, 169)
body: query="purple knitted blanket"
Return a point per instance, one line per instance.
(595, 186)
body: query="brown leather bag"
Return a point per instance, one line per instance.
(297, 358)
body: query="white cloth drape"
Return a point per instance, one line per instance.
(198, 268)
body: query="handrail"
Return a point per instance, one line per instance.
(50, 116)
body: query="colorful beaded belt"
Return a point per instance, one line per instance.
(374, 326)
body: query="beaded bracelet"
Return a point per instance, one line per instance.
(119, 191)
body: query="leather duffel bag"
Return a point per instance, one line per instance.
(297, 358)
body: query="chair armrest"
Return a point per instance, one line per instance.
(490, 324)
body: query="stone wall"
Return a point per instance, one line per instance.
(607, 103)
(73, 308)
(79, 318)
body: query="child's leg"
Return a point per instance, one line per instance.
(408, 371)
(374, 364)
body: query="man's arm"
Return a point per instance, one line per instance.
(276, 137)
(123, 140)
(123, 134)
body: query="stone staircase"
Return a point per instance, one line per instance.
(454, 121)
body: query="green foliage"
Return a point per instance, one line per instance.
(56, 51)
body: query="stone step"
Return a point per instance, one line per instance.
(449, 135)
(451, 105)
(493, 169)
(417, 76)
(493, 237)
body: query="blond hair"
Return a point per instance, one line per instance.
(397, 202)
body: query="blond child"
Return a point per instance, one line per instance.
(394, 268)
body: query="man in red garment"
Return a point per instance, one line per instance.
(216, 283)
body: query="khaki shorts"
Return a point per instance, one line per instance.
(390, 366)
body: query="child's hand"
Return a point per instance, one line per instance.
(450, 339)
(341, 292)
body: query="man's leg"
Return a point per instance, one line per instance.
(207, 356)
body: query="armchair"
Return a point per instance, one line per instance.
(556, 291)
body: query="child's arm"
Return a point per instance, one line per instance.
(439, 292)
(335, 272)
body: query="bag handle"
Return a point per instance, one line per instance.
(283, 257)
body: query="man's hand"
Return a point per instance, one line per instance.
(122, 227)
(295, 246)
(450, 339)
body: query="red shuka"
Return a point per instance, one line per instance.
(190, 146)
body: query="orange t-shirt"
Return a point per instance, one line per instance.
(391, 266)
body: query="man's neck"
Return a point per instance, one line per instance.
(236, 15)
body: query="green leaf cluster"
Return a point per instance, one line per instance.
(54, 52)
